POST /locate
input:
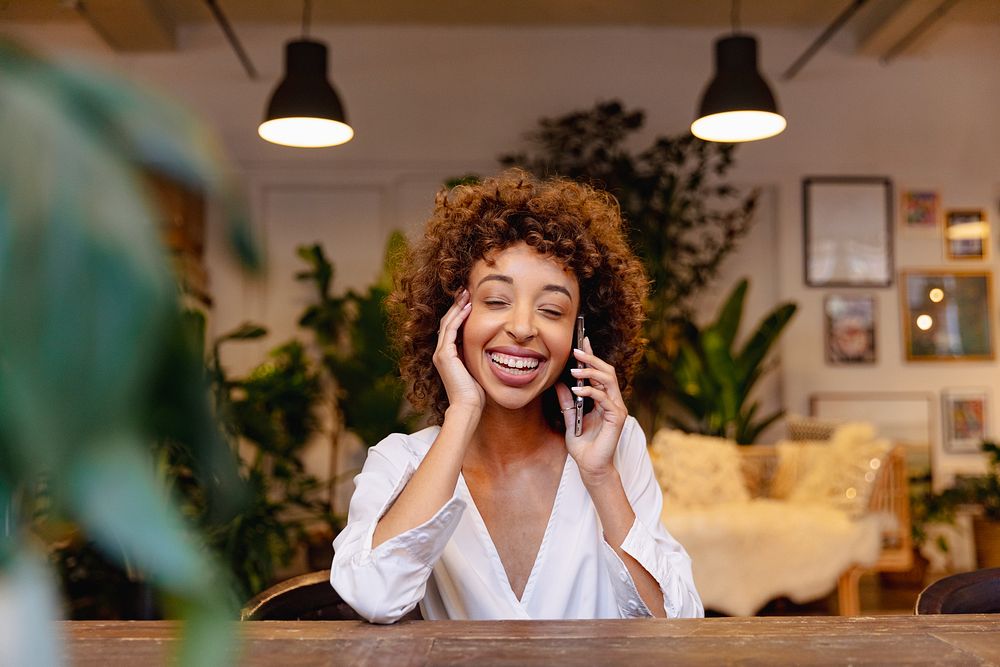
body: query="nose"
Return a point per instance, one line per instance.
(521, 325)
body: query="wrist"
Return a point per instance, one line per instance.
(601, 478)
(462, 416)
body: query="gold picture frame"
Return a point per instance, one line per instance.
(966, 234)
(947, 315)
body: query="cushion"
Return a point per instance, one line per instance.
(809, 428)
(795, 460)
(843, 475)
(697, 470)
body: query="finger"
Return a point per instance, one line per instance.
(597, 369)
(594, 376)
(588, 357)
(567, 407)
(602, 400)
(448, 338)
(457, 311)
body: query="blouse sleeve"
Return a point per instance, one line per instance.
(383, 584)
(648, 542)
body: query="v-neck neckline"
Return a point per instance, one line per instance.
(498, 569)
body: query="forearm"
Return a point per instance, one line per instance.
(617, 518)
(433, 483)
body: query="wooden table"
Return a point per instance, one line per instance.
(910, 640)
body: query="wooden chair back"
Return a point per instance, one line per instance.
(965, 593)
(307, 597)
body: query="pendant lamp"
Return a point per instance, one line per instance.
(737, 105)
(305, 110)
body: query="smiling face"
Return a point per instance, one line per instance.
(519, 334)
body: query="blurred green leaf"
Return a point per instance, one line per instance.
(714, 383)
(96, 361)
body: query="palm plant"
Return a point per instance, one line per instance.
(715, 381)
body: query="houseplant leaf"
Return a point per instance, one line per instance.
(753, 352)
(728, 321)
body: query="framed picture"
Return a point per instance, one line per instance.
(920, 209)
(965, 419)
(904, 417)
(847, 231)
(849, 331)
(966, 234)
(947, 315)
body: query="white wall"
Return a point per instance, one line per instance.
(428, 103)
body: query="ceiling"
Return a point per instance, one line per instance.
(145, 25)
(791, 13)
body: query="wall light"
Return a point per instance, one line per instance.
(305, 110)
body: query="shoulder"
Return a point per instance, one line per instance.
(401, 449)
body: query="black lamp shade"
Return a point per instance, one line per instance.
(305, 109)
(737, 86)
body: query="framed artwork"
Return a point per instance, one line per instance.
(947, 315)
(920, 209)
(966, 234)
(965, 419)
(904, 417)
(847, 235)
(849, 331)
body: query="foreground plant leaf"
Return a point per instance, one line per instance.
(89, 320)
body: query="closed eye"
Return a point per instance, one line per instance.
(555, 314)
(495, 303)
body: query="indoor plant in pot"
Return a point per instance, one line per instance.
(984, 491)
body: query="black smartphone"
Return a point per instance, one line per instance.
(580, 333)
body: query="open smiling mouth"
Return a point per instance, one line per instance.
(512, 365)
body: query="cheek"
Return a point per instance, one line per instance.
(562, 346)
(472, 331)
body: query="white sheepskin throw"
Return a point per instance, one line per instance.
(747, 553)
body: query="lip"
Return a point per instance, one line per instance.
(515, 351)
(511, 379)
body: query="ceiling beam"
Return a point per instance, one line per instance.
(892, 23)
(130, 25)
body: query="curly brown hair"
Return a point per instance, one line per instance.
(578, 226)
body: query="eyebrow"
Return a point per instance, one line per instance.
(510, 281)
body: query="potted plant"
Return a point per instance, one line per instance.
(984, 491)
(715, 380)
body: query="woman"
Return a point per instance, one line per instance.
(500, 511)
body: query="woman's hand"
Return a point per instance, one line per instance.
(462, 389)
(594, 449)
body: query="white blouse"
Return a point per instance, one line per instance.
(450, 566)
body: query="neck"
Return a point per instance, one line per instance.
(507, 437)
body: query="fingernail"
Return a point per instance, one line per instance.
(574, 371)
(576, 390)
(577, 350)
(467, 306)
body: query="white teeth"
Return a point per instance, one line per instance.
(514, 364)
